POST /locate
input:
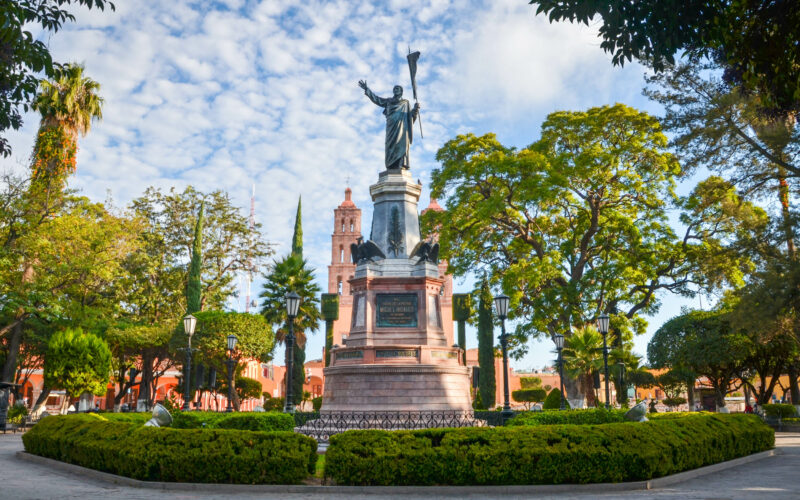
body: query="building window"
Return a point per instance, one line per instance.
(342, 225)
(339, 286)
(341, 254)
(351, 226)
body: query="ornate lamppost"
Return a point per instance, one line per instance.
(602, 325)
(558, 339)
(292, 305)
(501, 304)
(189, 324)
(231, 363)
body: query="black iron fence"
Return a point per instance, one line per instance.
(330, 423)
(492, 418)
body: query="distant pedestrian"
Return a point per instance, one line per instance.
(748, 408)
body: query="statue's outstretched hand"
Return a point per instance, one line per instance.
(362, 84)
(416, 106)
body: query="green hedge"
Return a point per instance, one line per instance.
(550, 454)
(782, 410)
(576, 417)
(164, 454)
(272, 421)
(250, 421)
(133, 418)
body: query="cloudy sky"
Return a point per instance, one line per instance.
(230, 93)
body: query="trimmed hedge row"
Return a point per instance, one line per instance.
(164, 454)
(550, 454)
(250, 421)
(783, 410)
(573, 417)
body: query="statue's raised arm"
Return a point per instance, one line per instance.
(400, 117)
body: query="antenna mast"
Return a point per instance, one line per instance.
(252, 226)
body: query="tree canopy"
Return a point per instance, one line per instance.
(756, 41)
(77, 362)
(577, 223)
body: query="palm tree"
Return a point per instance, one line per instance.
(583, 355)
(68, 104)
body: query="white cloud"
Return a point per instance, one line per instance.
(225, 94)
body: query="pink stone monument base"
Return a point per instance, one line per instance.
(395, 387)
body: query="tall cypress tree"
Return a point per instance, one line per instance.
(194, 285)
(486, 380)
(298, 367)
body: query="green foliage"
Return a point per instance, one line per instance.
(577, 223)
(297, 236)
(273, 404)
(194, 285)
(553, 401)
(77, 362)
(27, 55)
(582, 355)
(702, 342)
(530, 382)
(163, 454)
(298, 374)
(486, 377)
(129, 418)
(269, 421)
(17, 413)
(544, 454)
(572, 417)
(756, 41)
(291, 274)
(211, 337)
(674, 401)
(317, 403)
(780, 410)
(529, 396)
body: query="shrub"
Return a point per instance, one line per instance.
(316, 403)
(572, 417)
(250, 421)
(271, 421)
(672, 402)
(17, 413)
(552, 454)
(132, 418)
(553, 401)
(781, 410)
(163, 454)
(529, 396)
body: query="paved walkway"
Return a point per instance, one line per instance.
(771, 478)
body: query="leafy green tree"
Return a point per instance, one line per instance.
(582, 357)
(292, 274)
(486, 379)
(577, 223)
(194, 283)
(161, 275)
(530, 382)
(25, 56)
(529, 396)
(77, 362)
(756, 41)
(553, 401)
(254, 334)
(144, 348)
(704, 343)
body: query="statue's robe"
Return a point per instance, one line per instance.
(400, 117)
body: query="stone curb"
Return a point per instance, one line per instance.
(397, 490)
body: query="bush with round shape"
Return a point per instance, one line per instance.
(546, 454)
(553, 401)
(176, 455)
(568, 417)
(781, 410)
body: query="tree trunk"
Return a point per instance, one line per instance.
(41, 400)
(792, 370)
(690, 394)
(10, 366)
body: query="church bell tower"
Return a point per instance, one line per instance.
(346, 230)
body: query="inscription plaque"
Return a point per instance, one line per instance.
(396, 353)
(396, 310)
(350, 355)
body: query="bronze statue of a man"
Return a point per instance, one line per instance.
(400, 118)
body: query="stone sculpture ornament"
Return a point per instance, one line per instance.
(426, 251)
(637, 413)
(365, 250)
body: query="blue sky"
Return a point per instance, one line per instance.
(230, 93)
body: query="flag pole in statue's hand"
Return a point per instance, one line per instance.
(412, 68)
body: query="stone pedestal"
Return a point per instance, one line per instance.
(398, 357)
